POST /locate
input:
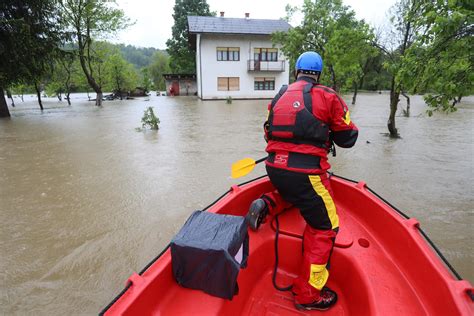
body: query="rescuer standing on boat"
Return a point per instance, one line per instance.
(305, 119)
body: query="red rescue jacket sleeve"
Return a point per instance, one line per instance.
(344, 132)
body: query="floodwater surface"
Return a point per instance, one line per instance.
(86, 199)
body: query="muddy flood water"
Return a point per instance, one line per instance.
(86, 199)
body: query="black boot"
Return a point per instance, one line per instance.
(327, 298)
(258, 210)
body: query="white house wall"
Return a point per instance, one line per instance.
(208, 68)
(198, 65)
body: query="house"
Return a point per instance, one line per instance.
(236, 57)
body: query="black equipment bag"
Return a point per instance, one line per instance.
(208, 252)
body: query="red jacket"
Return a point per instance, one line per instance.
(300, 142)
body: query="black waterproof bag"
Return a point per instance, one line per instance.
(209, 251)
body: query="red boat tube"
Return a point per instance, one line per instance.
(382, 264)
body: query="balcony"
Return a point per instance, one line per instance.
(257, 65)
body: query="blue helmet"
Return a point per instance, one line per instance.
(310, 63)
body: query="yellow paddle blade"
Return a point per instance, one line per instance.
(242, 167)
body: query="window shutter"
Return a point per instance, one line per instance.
(222, 83)
(234, 84)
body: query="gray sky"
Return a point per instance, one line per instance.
(153, 19)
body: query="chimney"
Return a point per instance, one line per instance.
(222, 14)
(247, 15)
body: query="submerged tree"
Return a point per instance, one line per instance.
(70, 67)
(150, 119)
(182, 57)
(62, 76)
(88, 20)
(20, 90)
(10, 96)
(396, 47)
(29, 33)
(430, 51)
(120, 75)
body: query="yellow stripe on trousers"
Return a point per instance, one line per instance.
(327, 199)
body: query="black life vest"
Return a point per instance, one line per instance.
(291, 117)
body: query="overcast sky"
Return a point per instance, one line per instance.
(153, 19)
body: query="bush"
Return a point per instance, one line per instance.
(149, 119)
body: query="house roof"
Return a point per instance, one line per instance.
(222, 25)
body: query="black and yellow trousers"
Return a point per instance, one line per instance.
(312, 195)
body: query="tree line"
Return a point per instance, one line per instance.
(57, 46)
(427, 48)
(119, 69)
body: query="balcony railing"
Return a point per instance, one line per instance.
(258, 65)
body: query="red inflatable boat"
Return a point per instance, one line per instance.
(382, 264)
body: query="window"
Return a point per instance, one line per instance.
(266, 54)
(228, 83)
(261, 83)
(228, 53)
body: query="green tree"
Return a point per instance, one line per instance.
(29, 35)
(331, 29)
(55, 81)
(146, 79)
(150, 119)
(69, 65)
(441, 61)
(376, 77)
(98, 54)
(20, 90)
(354, 52)
(64, 76)
(80, 80)
(159, 66)
(88, 20)
(182, 57)
(120, 75)
(55, 85)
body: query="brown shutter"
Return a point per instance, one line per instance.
(234, 84)
(222, 83)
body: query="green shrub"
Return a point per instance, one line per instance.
(149, 119)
